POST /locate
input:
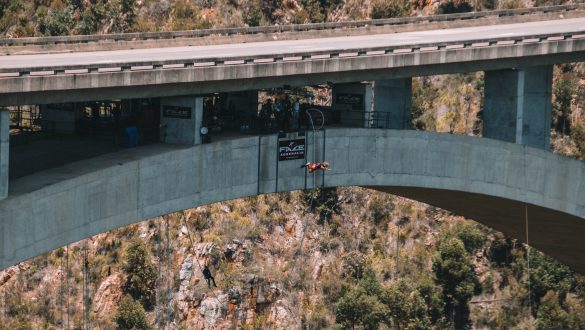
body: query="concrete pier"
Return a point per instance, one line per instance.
(181, 119)
(353, 102)
(518, 104)
(4, 143)
(392, 100)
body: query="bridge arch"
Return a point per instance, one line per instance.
(490, 181)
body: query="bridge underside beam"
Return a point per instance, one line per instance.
(518, 106)
(556, 233)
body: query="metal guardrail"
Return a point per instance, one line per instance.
(7, 42)
(288, 57)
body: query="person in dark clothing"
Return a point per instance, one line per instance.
(208, 277)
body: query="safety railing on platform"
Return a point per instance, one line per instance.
(7, 42)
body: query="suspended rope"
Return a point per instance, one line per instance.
(528, 257)
(192, 248)
(86, 287)
(62, 289)
(299, 251)
(158, 276)
(527, 228)
(168, 291)
(67, 284)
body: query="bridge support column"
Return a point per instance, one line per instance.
(181, 119)
(392, 100)
(4, 143)
(381, 104)
(353, 102)
(517, 106)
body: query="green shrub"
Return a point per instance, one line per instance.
(454, 7)
(550, 314)
(253, 15)
(356, 308)
(547, 274)
(389, 8)
(455, 273)
(130, 315)
(578, 136)
(140, 274)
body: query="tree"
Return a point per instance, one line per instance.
(550, 314)
(322, 200)
(186, 16)
(473, 239)
(563, 89)
(140, 274)
(432, 295)
(454, 6)
(578, 136)
(56, 22)
(253, 15)
(547, 274)
(128, 14)
(388, 9)
(130, 315)
(500, 250)
(407, 306)
(455, 273)
(356, 307)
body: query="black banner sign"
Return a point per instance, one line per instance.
(353, 99)
(172, 111)
(291, 149)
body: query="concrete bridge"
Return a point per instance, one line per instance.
(493, 182)
(486, 180)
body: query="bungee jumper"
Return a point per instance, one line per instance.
(316, 166)
(208, 277)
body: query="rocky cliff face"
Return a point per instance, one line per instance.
(279, 261)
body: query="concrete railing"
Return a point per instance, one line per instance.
(287, 57)
(7, 42)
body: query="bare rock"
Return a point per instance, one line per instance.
(213, 311)
(7, 274)
(238, 251)
(186, 269)
(280, 316)
(107, 296)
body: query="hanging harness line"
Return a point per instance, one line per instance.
(528, 257)
(192, 248)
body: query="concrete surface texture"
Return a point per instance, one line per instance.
(517, 106)
(181, 119)
(392, 100)
(490, 181)
(354, 103)
(4, 152)
(225, 75)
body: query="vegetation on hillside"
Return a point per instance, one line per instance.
(329, 258)
(368, 260)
